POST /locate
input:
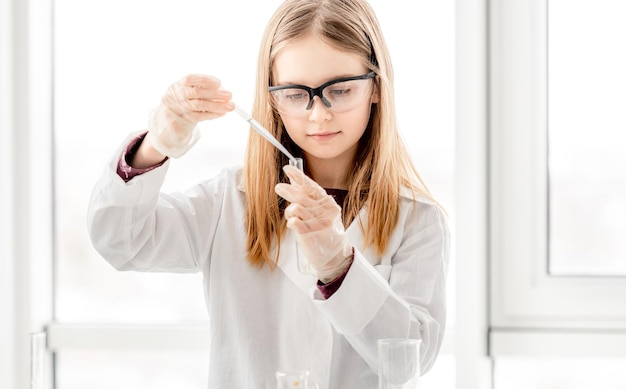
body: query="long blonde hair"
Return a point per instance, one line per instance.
(382, 166)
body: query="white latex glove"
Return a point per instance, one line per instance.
(172, 126)
(315, 217)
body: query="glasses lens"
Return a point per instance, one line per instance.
(339, 96)
(291, 100)
(346, 95)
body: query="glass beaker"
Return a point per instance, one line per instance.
(398, 363)
(294, 380)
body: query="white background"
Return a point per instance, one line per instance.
(114, 60)
(112, 65)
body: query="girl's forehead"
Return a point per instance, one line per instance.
(312, 61)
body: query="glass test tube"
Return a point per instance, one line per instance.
(303, 265)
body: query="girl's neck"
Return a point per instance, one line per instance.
(329, 174)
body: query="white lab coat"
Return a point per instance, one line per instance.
(262, 321)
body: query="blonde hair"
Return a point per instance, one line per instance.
(382, 166)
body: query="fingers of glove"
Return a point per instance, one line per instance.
(201, 110)
(170, 120)
(296, 194)
(301, 180)
(202, 87)
(306, 197)
(200, 80)
(312, 214)
(309, 219)
(205, 100)
(195, 94)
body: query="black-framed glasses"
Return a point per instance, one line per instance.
(339, 95)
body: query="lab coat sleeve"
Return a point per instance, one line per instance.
(406, 301)
(135, 227)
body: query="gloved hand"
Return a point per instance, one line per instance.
(172, 126)
(315, 217)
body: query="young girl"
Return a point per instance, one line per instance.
(375, 239)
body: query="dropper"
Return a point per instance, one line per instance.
(303, 265)
(266, 134)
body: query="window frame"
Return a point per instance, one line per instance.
(26, 194)
(473, 363)
(533, 313)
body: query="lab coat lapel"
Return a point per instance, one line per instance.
(356, 238)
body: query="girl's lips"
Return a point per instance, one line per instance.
(323, 136)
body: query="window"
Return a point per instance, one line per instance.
(556, 269)
(587, 180)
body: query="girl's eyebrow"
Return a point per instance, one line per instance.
(337, 77)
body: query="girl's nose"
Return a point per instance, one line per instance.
(319, 111)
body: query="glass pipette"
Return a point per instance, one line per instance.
(303, 265)
(266, 134)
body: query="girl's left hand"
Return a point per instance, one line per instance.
(315, 217)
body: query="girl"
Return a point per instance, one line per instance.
(375, 239)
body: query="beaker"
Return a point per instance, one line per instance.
(398, 363)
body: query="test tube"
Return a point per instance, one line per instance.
(297, 162)
(303, 265)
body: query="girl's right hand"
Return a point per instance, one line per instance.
(172, 127)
